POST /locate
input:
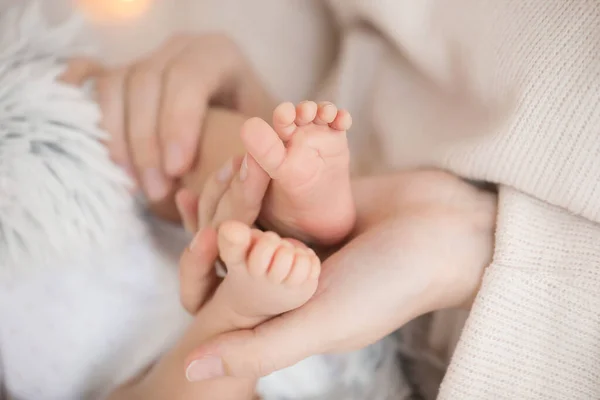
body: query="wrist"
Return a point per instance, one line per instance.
(458, 282)
(425, 202)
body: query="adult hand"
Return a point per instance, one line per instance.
(154, 108)
(424, 241)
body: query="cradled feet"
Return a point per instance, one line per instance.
(306, 155)
(266, 275)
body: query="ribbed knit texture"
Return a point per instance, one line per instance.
(534, 330)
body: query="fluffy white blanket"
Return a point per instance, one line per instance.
(58, 188)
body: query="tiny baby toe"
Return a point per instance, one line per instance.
(306, 113)
(301, 269)
(262, 254)
(283, 120)
(342, 121)
(281, 265)
(326, 113)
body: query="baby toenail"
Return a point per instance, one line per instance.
(204, 369)
(225, 172)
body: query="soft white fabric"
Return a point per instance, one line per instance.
(55, 178)
(88, 283)
(74, 331)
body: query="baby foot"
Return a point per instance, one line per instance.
(307, 157)
(266, 275)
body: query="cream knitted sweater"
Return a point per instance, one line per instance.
(504, 91)
(508, 92)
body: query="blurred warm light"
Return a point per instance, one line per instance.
(113, 10)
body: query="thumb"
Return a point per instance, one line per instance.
(274, 345)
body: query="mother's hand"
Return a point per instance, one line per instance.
(154, 108)
(424, 239)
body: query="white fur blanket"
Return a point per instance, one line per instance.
(57, 184)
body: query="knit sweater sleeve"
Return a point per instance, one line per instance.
(506, 92)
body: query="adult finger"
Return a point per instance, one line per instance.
(196, 270)
(144, 89)
(142, 103)
(182, 110)
(214, 189)
(243, 199)
(190, 81)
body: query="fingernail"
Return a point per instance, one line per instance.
(244, 168)
(174, 161)
(225, 172)
(204, 369)
(155, 184)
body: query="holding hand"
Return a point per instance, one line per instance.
(155, 108)
(424, 240)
